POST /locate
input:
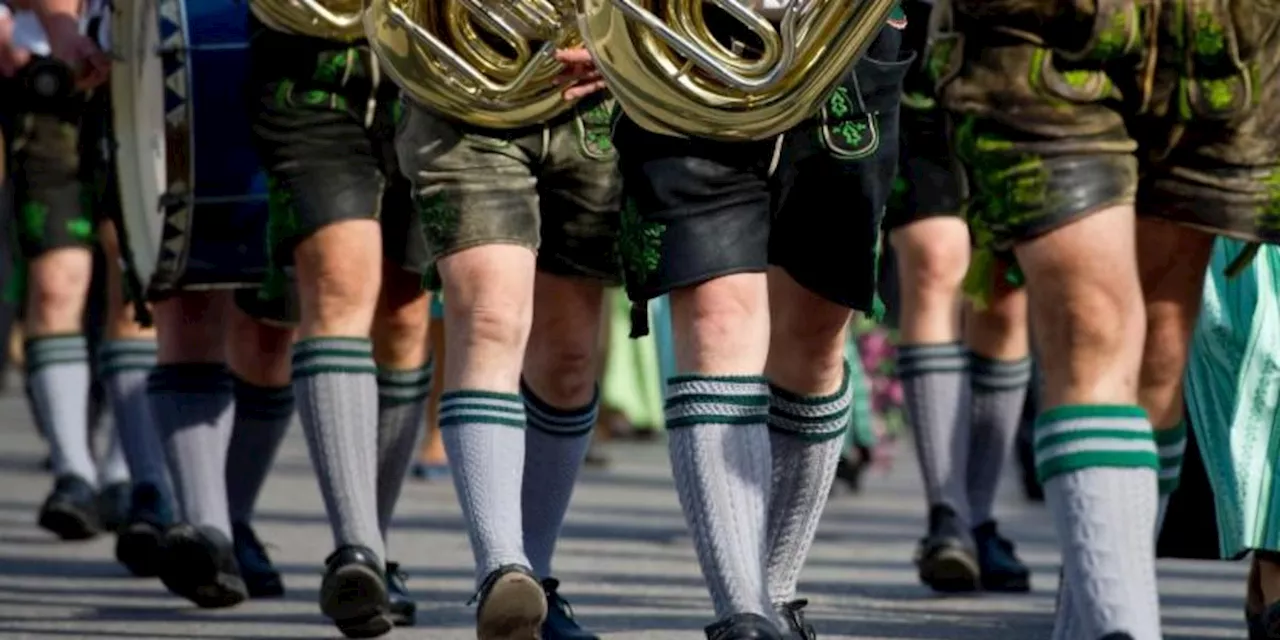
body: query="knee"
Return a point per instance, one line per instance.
(564, 371)
(496, 323)
(1164, 354)
(334, 292)
(810, 338)
(717, 312)
(931, 266)
(60, 280)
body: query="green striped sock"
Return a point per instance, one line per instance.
(336, 390)
(58, 374)
(1098, 464)
(1171, 444)
(806, 436)
(483, 434)
(719, 448)
(555, 445)
(123, 366)
(402, 410)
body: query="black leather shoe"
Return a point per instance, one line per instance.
(71, 510)
(1119, 635)
(353, 593)
(945, 558)
(261, 579)
(512, 605)
(199, 564)
(1000, 568)
(139, 544)
(113, 506)
(743, 626)
(404, 611)
(560, 623)
(793, 613)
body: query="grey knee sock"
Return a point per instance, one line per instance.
(721, 461)
(58, 373)
(806, 434)
(402, 410)
(999, 392)
(1098, 466)
(262, 419)
(113, 468)
(124, 366)
(193, 406)
(555, 445)
(483, 434)
(335, 383)
(935, 381)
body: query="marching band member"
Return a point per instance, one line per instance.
(521, 225)
(1087, 132)
(341, 217)
(761, 294)
(965, 400)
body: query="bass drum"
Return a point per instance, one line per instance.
(193, 195)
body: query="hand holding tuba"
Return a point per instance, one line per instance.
(720, 69)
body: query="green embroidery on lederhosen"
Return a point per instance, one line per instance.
(594, 128)
(844, 131)
(283, 224)
(440, 217)
(35, 215)
(1269, 216)
(639, 243)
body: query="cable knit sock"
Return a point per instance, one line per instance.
(720, 457)
(806, 435)
(336, 388)
(124, 366)
(194, 406)
(935, 381)
(262, 419)
(58, 377)
(1098, 465)
(402, 411)
(999, 392)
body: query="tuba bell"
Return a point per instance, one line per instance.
(489, 63)
(329, 19)
(720, 69)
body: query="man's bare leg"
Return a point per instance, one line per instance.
(258, 355)
(810, 402)
(1094, 451)
(432, 461)
(999, 372)
(192, 401)
(404, 384)
(933, 365)
(562, 399)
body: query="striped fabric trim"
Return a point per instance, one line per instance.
(564, 423)
(116, 356)
(1171, 444)
(814, 418)
(314, 356)
(732, 400)
(464, 407)
(396, 387)
(919, 359)
(1078, 437)
(999, 375)
(49, 350)
(263, 403)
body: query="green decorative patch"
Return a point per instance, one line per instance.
(639, 243)
(595, 126)
(34, 215)
(439, 216)
(845, 131)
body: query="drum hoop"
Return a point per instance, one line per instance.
(179, 197)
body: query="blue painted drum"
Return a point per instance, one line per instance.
(193, 195)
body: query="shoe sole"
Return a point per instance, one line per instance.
(355, 598)
(950, 571)
(264, 590)
(191, 571)
(515, 609)
(404, 615)
(139, 548)
(68, 522)
(1006, 584)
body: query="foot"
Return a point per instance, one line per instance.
(999, 566)
(1262, 619)
(945, 558)
(71, 510)
(743, 626)
(512, 605)
(199, 564)
(353, 593)
(851, 466)
(793, 613)
(261, 579)
(113, 505)
(404, 612)
(139, 543)
(560, 623)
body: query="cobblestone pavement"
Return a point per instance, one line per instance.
(625, 561)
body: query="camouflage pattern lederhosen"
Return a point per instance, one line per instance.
(1062, 108)
(552, 187)
(928, 183)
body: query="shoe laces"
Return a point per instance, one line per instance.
(246, 537)
(551, 587)
(793, 612)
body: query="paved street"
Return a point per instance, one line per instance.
(625, 561)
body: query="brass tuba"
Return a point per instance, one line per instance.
(329, 19)
(489, 63)
(720, 69)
